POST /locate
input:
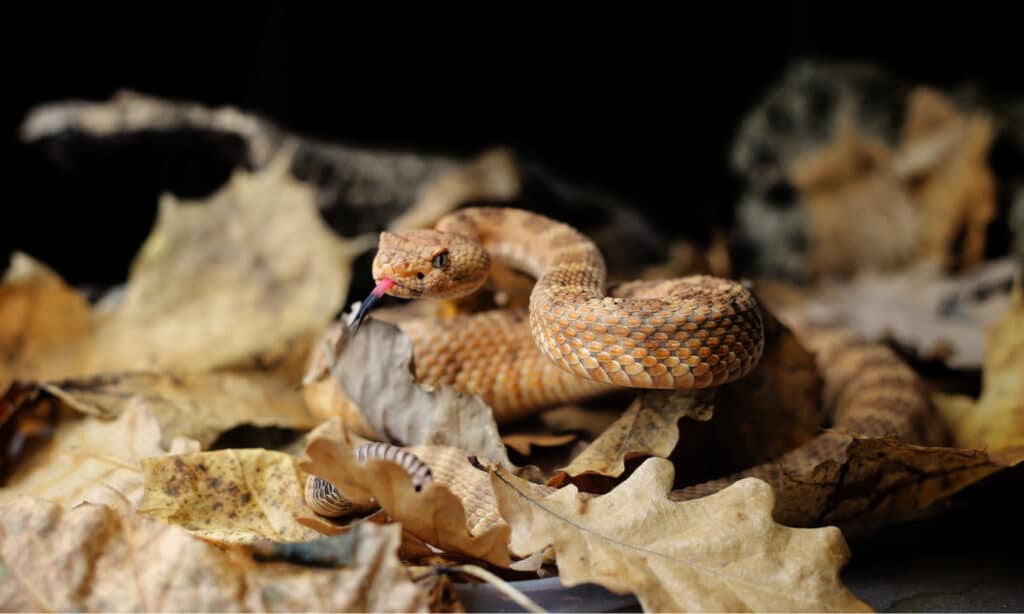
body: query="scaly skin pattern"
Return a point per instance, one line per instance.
(492, 354)
(868, 391)
(682, 334)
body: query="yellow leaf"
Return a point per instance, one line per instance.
(720, 553)
(98, 558)
(228, 496)
(455, 511)
(91, 460)
(996, 421)
(199, 406)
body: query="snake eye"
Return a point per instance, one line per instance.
(441, 260)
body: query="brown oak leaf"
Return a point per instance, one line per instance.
(455, 511)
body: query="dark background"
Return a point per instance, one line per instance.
(641, 102)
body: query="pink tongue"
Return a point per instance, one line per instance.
(382, 287)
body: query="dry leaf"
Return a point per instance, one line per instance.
(995, 422)
(268, 277)
(936, 315)
(26, 422)
(589, 421)
(650, 427)
(39, 315)
(772, 410)
(228, 496)
(876, 481)
(90, 459)
(246, 278)
(859, 214)
(874, 207)
(97, 558)
(455, 511)
(945, 155)
(859, 473)
(492, 176)
(199, 406)
(768, 412)
(372, 369)
(523, 442)
(721, 553)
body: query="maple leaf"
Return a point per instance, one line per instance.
(722, 552)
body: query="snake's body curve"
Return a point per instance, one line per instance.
(684, 334)
(576, 342)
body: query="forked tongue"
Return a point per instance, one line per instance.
(380, 290)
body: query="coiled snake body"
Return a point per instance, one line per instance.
(576, 342)
(684, 334)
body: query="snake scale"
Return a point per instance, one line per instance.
(577, 342)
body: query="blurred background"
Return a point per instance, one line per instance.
(690, 117)
(643, 104)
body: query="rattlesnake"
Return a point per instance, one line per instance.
(576, 341)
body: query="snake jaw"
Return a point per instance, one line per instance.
(378, 291)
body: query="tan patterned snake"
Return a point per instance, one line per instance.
(682, 334)
(576, 341)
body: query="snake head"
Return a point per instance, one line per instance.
(431, 264)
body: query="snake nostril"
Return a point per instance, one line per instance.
(419, 275)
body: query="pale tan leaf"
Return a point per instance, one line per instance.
(228, 496)
(922, 308)
(246, 278)
(90, 459)
(199, 406)
(246, 274)
(455, 511)
(590, 421)
(98, 558)
(371, 370)
(523, 442)
(719, 553)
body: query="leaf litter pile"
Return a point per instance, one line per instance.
(159, 441)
